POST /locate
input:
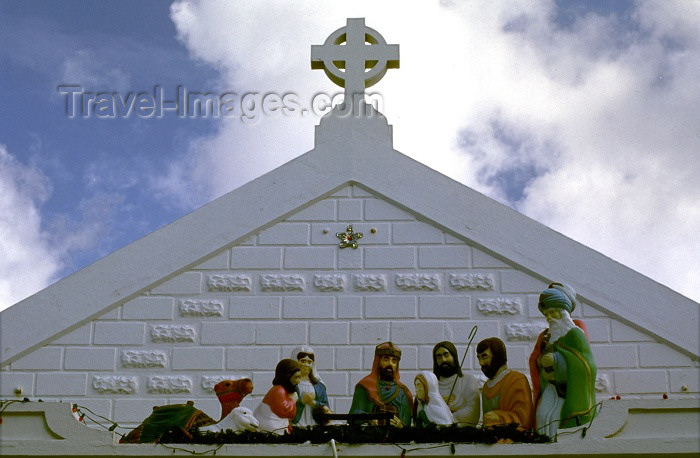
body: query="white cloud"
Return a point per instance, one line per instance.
(589, 128)
(85, 68)
(37, 249)
(28, 263)
(175, 187)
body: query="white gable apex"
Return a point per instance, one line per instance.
(349, 151)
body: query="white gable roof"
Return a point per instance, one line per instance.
(357, 151)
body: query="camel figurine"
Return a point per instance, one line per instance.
(185, 418)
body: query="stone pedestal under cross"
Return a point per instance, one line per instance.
(355, 57)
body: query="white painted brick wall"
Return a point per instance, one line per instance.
(186, 284)
(458, 330)
(481, 260)
(379, 210)
(86, 358)
(685, 380)
(616, 355)
(81, 336)
(309, 258)
(417, 332)
(253, 358)
(408, 281)
(623, 333)
(149, 308)
(46, 358)
(114, 314)
(325, 357)
(350, 210)
(256, 258)
(425, 356)
(444, 257)
(227, 333)
(61, 384)
(280, 333)
(324, 333)
(350, 259)
(416, 233)
(369, 332)
(513, 281)
(389, 257)
(337, 384)
(10, 381)
(220, 261)
(641, 382)
(445, 307)
(285, 234)
(321, 211)
(206, 358)
(119, 333)
(657, 355)
(349, 307)
(348, 358)
(598, 330)
(396, 307)
(255, 307)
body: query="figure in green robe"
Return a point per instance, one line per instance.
(562, 367)
(382, 391)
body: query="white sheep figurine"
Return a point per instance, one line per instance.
(240, 419)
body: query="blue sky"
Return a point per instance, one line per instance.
(580, 114)
(96, 171)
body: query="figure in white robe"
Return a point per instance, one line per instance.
(430, 408)
(459, 390)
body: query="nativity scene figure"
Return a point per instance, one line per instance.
(382, 391)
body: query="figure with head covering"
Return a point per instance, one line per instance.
(429, 407)
(460, 391)
(311, 390)
(562, 367)
(279, 406)
(382, 391)
(505, 397)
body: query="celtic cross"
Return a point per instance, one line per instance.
(355, 57)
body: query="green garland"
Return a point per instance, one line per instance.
(365, 434)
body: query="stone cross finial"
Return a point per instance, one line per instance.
(357, 64)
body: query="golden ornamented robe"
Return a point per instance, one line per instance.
(509, 396)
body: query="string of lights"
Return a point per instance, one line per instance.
(82, 415)
(446, 436)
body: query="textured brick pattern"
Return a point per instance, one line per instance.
(245, 308)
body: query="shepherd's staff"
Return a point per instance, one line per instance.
(472, 333)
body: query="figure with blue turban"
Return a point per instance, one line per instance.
(562, 367)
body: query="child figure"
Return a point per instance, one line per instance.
(430, 408)
(279, 406)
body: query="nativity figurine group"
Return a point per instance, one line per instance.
(297, 395)
(562, 370)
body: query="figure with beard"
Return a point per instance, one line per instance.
(279, 406)
(382, 391)
(506, 397)
(562, 367)
(464, 401)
